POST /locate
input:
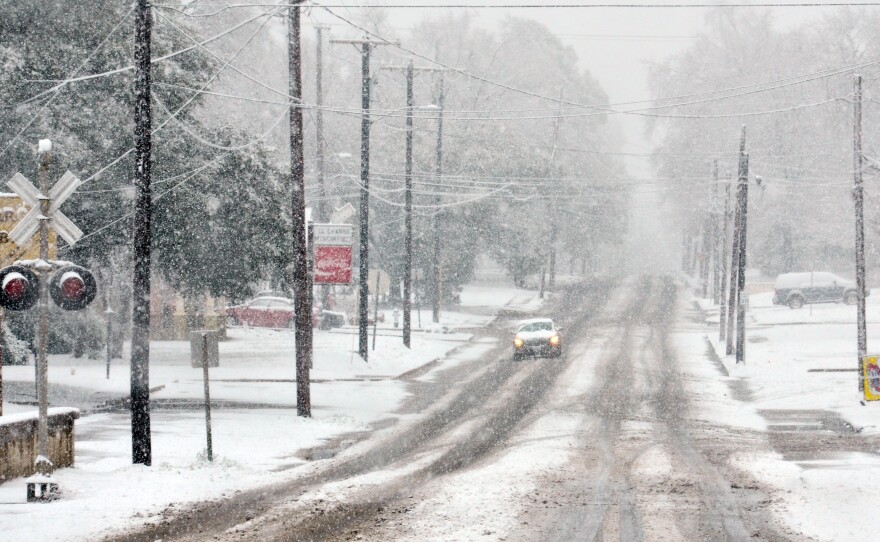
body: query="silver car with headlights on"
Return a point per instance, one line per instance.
(537, 337)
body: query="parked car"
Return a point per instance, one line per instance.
(537, 337)
(797, 289)
(265, 311)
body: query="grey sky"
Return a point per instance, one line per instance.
(616, 45)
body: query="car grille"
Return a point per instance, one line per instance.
(536, 342)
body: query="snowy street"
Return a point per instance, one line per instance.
(636, 434)
(257, 438)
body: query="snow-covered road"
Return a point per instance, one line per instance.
(636, 434)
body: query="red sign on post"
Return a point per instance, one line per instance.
(332, 265)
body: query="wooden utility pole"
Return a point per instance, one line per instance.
(859, 200)
(438, 218)
(734, 262)
(554, 227)
(302, 284)
(141, 440)
(321, 143)
(722, 310)
(706, 253)
(716, 236)
(408, 245)
(366, 47)
(742, 196)
(410, 71)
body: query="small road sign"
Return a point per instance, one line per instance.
(872, 377)
(333, 264)
(332, 234)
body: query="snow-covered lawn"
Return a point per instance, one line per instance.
(255, 442)
(805, 360)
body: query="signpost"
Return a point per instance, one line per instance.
(204, 353)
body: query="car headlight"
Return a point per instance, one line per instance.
(517, 342)
(554, 340)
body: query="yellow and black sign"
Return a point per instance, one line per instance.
(872, 377)
(12, 209)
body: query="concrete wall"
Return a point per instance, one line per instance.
(18, 441)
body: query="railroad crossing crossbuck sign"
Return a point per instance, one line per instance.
(58, 194)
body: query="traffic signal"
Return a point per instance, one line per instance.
(19, 288)
(73, 287)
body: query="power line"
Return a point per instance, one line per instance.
(602, 108)
(56, 88)
(211, 144)
(564, 5)
(63, 82)
(172, 116)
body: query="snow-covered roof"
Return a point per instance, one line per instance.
(534, 320)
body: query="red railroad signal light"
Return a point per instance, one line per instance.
(19, 288)
(73, 287)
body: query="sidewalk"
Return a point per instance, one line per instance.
(797, 397)
(257, 437)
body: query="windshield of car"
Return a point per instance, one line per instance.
(537, 326)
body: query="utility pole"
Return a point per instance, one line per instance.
(734, 259)
(709, 239)
(319, 122)
(859, 200)
(742, 194)
(716, 236)
(407, 266)
(438, 220)
(706, 253)
(366, 47)
(409, 71)
(321, 143)
(722, 312)
(302, 284)
(553, 224)
(141, 440)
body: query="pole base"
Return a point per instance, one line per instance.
(42, 491)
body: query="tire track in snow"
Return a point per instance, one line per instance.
(608, 503)
(278, 513)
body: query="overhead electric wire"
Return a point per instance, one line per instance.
(192, 133)
(63, 82)
(780, 83)
(173, 115)
(602, 109)
(559, 5)
(55, 89)
(605, 108)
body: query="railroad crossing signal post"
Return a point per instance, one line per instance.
(72, 287)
